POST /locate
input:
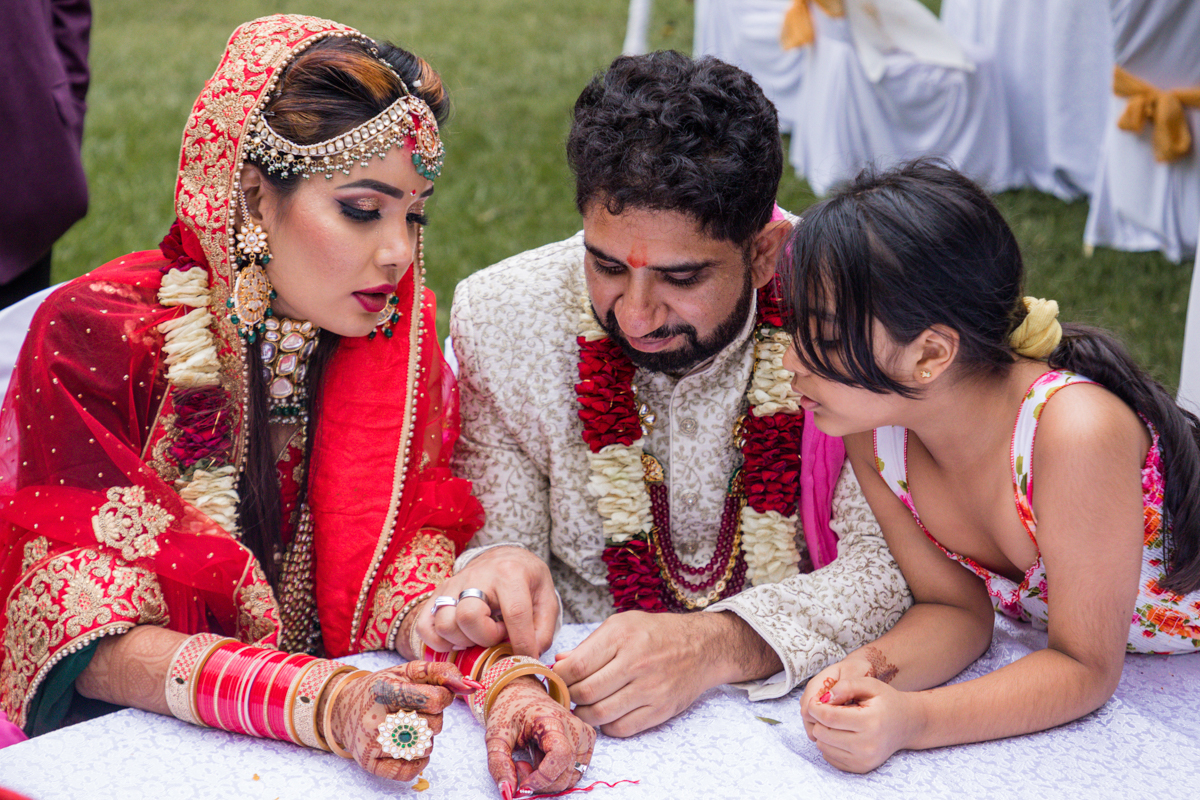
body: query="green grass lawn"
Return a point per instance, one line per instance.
(514, 68)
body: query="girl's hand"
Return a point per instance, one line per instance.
(525, 715)
(820, 684)
(861, 722)
(420, 686)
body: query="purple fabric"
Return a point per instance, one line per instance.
(9, 733)
(43, 82)
(821, 458)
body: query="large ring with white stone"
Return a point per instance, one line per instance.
(439, 602)
(580, 768)
(404, 735)
(476, 593)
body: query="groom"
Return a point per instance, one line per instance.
(677, 163)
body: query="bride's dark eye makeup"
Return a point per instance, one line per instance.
(363, 210)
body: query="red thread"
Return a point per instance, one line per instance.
(590, 787)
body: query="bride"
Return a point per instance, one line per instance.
(224, 462)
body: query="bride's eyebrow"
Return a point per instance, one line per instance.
(381, 187)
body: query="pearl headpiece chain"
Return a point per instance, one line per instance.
(407, 122)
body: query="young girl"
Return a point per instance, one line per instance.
(913, 341)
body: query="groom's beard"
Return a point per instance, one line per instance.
(694, 350)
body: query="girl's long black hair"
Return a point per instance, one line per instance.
(920, 245)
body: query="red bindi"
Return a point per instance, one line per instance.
(638, 256)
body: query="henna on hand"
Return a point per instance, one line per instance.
(881, 669)
(363, 706)
(525, 715)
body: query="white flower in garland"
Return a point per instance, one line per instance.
(771, 387)
(618, 483)
(214, 493)
(769, 545)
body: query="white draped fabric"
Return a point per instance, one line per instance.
(637, 28)
(1055, 63)
(746, 33)
(888, 83)
(1189, 373)
(1144, 742)
(14, 324)
(1139, 203)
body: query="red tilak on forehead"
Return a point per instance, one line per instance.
(638, 256)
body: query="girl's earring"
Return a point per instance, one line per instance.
(252, 292)
(926, 373)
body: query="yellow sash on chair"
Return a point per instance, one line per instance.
(798, 25)
(1172, 138)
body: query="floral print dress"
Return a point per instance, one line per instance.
(1163, 621)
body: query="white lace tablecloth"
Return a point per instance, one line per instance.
(1145, 742)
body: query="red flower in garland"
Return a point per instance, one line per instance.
(633, 577)
(605, 399)
(172, 249)
(771, 450)
(770, 311)
(205, 429)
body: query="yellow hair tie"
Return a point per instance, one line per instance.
(1039, 333)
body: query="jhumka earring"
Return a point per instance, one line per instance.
(252, 292)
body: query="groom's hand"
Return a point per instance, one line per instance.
(638, 670)
(519, 605)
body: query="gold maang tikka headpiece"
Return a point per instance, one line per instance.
(408, 122)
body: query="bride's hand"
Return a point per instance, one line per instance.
(361, 707)
(524, 715)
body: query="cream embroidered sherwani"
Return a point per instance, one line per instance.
(513, 328)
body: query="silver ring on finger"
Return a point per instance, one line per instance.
(581, 768)
(476, 593)
(439, 602)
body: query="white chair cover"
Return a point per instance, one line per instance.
(1189, 371)
(14, 324)
(637, 28)
(1139, 203)
(1053, 58)
(746, 33)
(887, 83)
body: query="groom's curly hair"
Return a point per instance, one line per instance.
(667, 132)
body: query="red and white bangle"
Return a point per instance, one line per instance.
(308, 693)
(222, 683)
(181, 675)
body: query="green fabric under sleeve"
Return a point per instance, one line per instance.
(52, 703)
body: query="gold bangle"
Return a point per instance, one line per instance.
(489, 657)
(335, 689)
(555, 685)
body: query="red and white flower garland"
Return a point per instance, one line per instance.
(204, 432)
(639, 575)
